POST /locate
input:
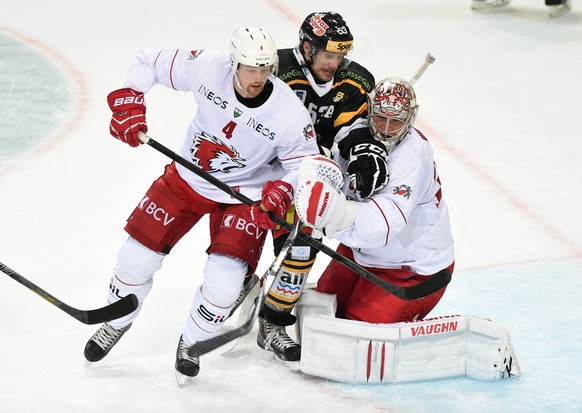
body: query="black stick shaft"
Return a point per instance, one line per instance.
(423, 289)
(110, 312)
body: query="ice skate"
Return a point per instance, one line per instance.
(103, 341)
(488, 4)
(274, 338)
(556, 10)
(186, 366)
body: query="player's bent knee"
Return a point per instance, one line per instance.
(223, 278)
(136, 263)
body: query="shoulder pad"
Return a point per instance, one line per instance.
(359, 74)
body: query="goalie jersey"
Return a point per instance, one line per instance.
(336, 107)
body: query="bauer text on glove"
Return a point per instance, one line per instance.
(128, 119)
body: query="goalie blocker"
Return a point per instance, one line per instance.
(432, 349)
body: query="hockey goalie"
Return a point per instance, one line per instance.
(436, 348)
(350, 329)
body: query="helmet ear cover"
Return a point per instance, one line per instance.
(253, 46)
(394, 100)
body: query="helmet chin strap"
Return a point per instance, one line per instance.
(239, 87)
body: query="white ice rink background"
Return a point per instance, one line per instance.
(501, 105)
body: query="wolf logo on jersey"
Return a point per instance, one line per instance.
(213, 155)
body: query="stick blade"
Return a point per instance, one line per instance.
(203, 347)
(123, 307)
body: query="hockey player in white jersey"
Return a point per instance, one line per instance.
(251, 132)
(354, 331)
(401, 233)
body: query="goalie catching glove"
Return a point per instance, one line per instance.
(367, 168)
(128, 119)
(319, 202)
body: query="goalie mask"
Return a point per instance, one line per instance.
(253, 46)
(392, 109)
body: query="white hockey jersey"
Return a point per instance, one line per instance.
(406, 224)
(241, 146)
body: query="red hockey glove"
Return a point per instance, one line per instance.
(261, 218)
(128, 107)
(277, 197)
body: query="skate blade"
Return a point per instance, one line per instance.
(182, 379)
(291, 365)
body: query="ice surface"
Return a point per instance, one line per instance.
(501, 106)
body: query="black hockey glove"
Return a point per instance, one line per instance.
(367, 167)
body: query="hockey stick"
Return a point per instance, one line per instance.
(202, 347)
(428, 59)
(110, 312)
(431, 285)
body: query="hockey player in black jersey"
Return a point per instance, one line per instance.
(334, 90)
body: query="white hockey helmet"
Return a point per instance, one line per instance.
(253, 46)
(392, 109)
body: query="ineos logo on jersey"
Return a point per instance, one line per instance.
(241, 224)
(260, 128)
(159, 214)
(211, 96)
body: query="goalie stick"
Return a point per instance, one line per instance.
(431, 285)
(256, 294)
(428, 60)
(118, 309)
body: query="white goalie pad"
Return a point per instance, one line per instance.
(433, 349)
(313, 303)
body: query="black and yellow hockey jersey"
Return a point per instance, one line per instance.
(335, 111)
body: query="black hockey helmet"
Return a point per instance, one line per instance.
(327, 31)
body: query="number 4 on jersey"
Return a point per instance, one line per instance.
(228, 130)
